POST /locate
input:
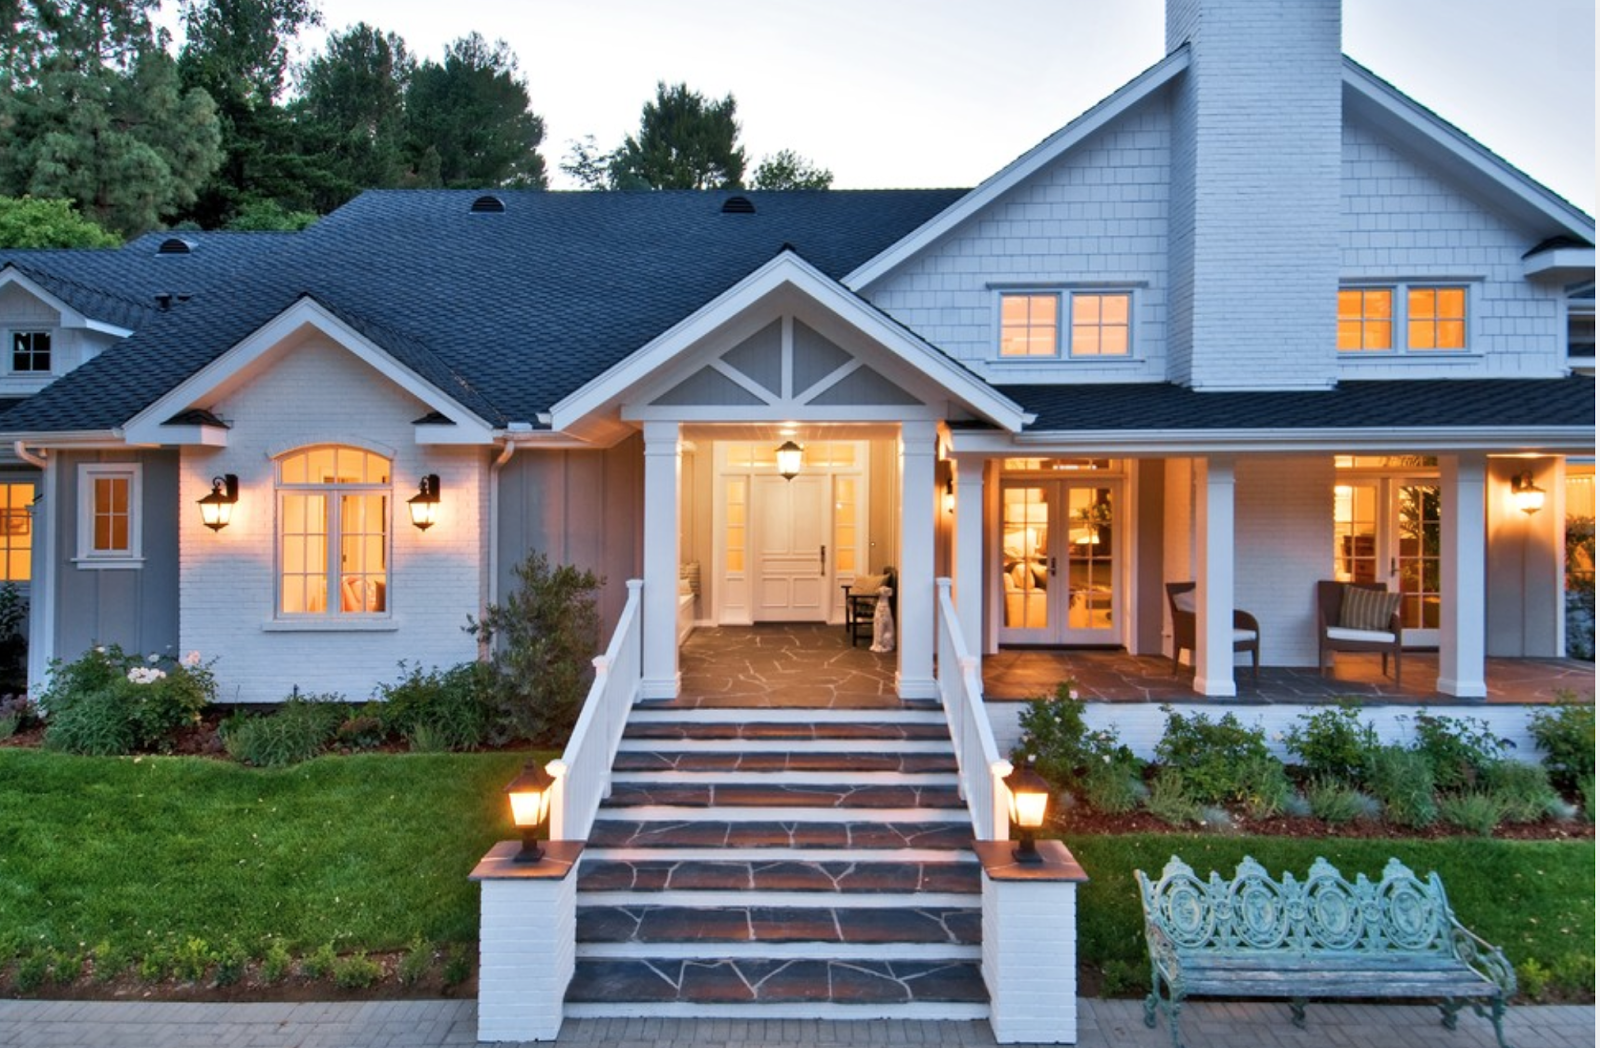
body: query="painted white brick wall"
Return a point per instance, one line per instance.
(527, 935)
(1030, 960)
(1098, 217)
(1402, 221)
(1283, 543)
(318, 393)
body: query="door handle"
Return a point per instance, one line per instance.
(822, 560)
(1394, 567)
(1052, 567)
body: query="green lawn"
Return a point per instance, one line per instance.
(138, 856)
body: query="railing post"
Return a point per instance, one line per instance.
(559, 817)
(1000, 800)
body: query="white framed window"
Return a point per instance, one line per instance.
(334, 522)
(30, 352)
(16, 532)
(1099, 324)
(110, 521)
(1405, 318)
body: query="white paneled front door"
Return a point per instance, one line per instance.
(792, 559)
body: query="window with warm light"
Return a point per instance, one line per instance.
(1366, 320)
(333, 532)
(1405, 318)
(108, 514)
(1100, 324)
(1436, 318)
(16, 532)
(1028, 325)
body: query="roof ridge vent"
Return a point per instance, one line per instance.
(175, 246)
(488, 204)
(738, 205)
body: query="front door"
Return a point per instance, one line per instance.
(1387, 530)
(1059, 562)
(791, 549)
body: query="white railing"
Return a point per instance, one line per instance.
(979, 764)
(583, 772)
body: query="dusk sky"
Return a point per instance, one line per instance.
(905, 93)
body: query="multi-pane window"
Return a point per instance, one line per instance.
(333, 532)
(16, 532)
(108, 513)
(1028, 325)
(1429, 317)
(30, 352)
(1100, 324)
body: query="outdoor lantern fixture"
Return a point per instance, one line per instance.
(1030, 796)
(1525, 494)
(530, 806)
(216, 509)
(424, 505)
(789, 456)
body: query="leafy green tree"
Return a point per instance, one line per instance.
(685, 141)
(587, 164)
(787, 169)
(237, 51)
(351, 111)
(469, 120)
(269, 216)
(30, 223)
(111, 33)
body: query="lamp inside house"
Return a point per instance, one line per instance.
(424, 505)
(790, 457)
(1030, 797)
(216, 509)
(530, 806)
(1525, 494)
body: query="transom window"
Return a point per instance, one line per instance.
(333, 532)
(1100, 324)
(1430, 317)
(30, 352)
(1028, 325)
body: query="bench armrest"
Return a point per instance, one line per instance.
(1163, 954)
(1482, 957)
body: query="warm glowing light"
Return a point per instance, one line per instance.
(529, 793)
(216, 509)
(1526, 495)
(790, 458)
(1030, 797)
(424, 505)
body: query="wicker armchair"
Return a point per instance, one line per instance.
(1333, 635)
(1246, 630)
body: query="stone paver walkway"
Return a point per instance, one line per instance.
(453, 1024)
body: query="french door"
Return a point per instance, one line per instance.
(1386, 529)
(1060, 562)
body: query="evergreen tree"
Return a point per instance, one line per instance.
(351, 111)
(469, 122)
(685, 141)
(787, 169)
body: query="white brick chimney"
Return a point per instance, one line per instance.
(1256, 196)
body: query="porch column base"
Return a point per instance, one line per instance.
(916, 687)
(1215, 687)
(1030, 943)
(527, 935)
(1463, 689)
(660, 687)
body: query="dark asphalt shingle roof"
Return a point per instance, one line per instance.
(1410, 404)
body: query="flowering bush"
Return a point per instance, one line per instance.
(107, 701)
(1065, 750)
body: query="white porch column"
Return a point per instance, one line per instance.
(1213, 644)
(1461, 569)
(660, 605)
(969, 554)
(918, 504)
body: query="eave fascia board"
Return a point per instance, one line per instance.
(1567, 264)
(1463, 148)
(90, 324)
(1183, 443)
(145, 427)
(195, 436)
(1045, 153)
(67, 440)
(470, 434)
(787, 268)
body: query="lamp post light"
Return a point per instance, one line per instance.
(530, 806)
(1030, 797)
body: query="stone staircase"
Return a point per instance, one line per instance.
(781, 863)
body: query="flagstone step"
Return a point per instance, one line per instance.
(780, 875)
(820, 797)
(769, 926)
(878, 761)
(762, 834)
(628, 986)
(762, 731)
(654, 711)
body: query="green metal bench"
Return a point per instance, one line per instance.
(1317, 938)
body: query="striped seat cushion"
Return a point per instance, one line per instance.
(1367, 609)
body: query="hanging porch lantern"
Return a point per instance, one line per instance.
(790, 456)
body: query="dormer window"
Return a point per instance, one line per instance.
(30, 352)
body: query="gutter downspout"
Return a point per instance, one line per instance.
(41, 603)
(492, 586)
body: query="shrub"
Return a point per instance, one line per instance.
(231, 960)
(360, 730)
(1565, 734)
(298, 731)
(356, 971)
(1333, 743)
(276, 963)
(1533, 978)
(1523, 790)
(447, 706)
(1335, 802)
(1091, 763)
(33, 971)
(109, 702)
(190, 959)
(457, 965)
(415, 963)
(1263, 787)
(109, 961)
(16, 714)
(1458, 750)
(1586, 793)
(1208, 755)
(13, 645)
(1477, 810)
(95, 724)
(319, 963)
(1171, 802)
(1402, 780)
(1113, 787)
(541, 641)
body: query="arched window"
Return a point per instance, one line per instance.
(333, 532)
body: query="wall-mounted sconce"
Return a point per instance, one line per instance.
(216, 509)
(790, 456)
(1525, 494)
(424, 505)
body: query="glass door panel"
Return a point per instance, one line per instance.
(1416, 565)
(1386, 529)
(1091, 577)
(1025, 560)
(1058, 583)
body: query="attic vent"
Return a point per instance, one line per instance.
(738, 205)
(488, 205)
(175, 246)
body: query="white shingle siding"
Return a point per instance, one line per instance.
(1404, 222)
(1098, 217)
(314, 394)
